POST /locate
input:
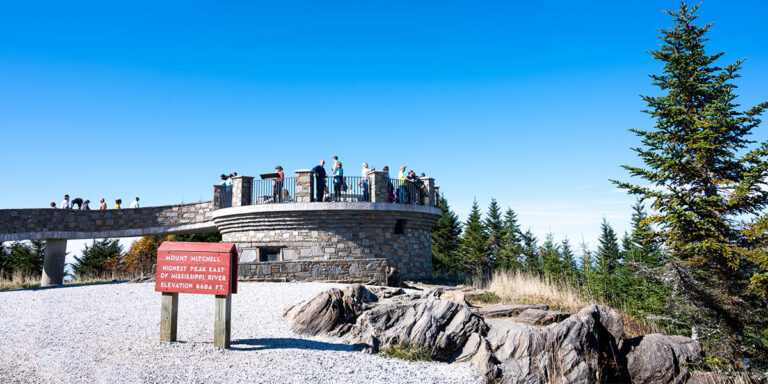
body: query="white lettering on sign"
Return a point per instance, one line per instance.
(174, 268)
(175, 258)
(216, 269)
(217, 277)
(205, 259)
(170, 284)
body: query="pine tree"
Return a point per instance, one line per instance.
(4, 270)
(511, 249)
(587, 272)
(494, 227)
(446, 240)
(530, 252)
(474, 244)
(97, 258)
(646, 247)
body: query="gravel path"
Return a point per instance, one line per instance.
(108, 333)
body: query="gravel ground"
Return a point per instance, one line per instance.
(108, 333)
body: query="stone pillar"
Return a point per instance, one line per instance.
(429, 188)
(305, 188)
(53, 262)
(242, 190)
(437, 196)
(218, 190)
(379, 186)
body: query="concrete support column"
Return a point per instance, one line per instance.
(242, 190)
(304, 186)
(429, 188)
(53, 262)
(379, 187)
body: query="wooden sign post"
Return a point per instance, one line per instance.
(203, 268)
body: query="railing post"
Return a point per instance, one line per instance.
(429, 187)
(218, 190)
(304, 189)
(379, 187)
(242, 190)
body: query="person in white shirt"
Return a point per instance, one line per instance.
(135, 203)
(65, 202)
(364, 182)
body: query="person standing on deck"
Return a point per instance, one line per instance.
(320, 175)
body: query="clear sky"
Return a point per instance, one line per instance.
(524, 102)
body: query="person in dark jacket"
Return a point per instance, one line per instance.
(320, 175)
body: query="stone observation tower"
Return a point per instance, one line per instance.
(281, 232)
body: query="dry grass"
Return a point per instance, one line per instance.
(720, 377)
(521, 288)
(19, 281)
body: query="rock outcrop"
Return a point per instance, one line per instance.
(530, 345)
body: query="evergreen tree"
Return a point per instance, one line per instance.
(511, 249)
(567, 260)
(607, 258)
(26, 257)
(530, 252)
(699, 178)
(550, 257)
(494, 227)
(4, 270)
(705, 178)
(647, 249)
(97, 258)
(474, 244)
(588, 274)
(446, 240)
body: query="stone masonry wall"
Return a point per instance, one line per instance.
(335, 235)
(341, 270)
(48, 223)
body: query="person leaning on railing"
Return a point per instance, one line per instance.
(364, 182)
(277, 185)
(338, 181)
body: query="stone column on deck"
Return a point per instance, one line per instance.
(379, 187)
(218, 190)
(242, 190)
(53, 262)
(437, 196)
(429, 188)
(304, 186)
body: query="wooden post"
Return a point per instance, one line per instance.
(169, 314)
(223, 322)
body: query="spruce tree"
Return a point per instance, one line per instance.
(511, 248)
(26, 257)
(494, 227)
(96, 258)
(446, 239)
(647, 249)
(530, 252)
(705, 180)
(567, 260)
(607, 258)
(474, 244)
(699, 174)
(550, 257)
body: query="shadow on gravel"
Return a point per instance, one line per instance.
(288, 343)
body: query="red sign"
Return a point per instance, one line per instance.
(208, 268)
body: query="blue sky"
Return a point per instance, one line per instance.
(510, 100)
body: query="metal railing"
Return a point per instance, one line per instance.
(268, 191)
(225, 196)
(407, 192)
(348, 189)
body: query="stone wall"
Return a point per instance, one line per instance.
(48, 223)
(339, 270)
(334, 231)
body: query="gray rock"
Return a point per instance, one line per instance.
(332, 311)
(657, 359)
(534, 316)
(506, 310)
(442, 327)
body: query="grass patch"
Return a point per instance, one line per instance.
(487, 297)
(407, 351)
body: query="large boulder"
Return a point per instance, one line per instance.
(332, 311)
(442, 327)
(535, 316)
(506, 310)
(657, 359)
